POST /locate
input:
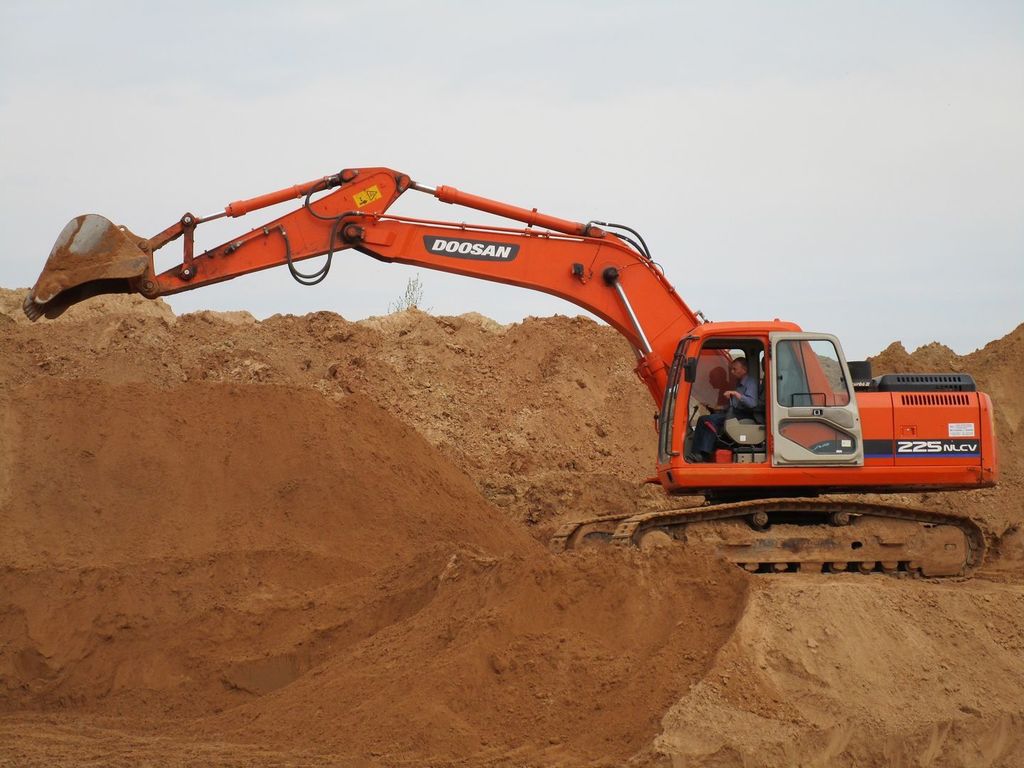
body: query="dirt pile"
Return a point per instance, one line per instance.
(556, 660)
(546, 415)
(170, 518)
(861, 673)
(312, 541)
(99, 308)
(321, 577)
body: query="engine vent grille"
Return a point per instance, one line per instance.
(935, 399)
(924, 382)
(927, 378)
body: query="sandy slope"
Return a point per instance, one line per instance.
(310, 541)
(859, 672)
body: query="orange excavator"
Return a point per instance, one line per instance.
(819, 426)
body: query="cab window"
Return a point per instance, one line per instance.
(810, 373)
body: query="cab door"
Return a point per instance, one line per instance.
(814, 413)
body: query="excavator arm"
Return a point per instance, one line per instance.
(608, 274)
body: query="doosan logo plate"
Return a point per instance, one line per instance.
(470, 249)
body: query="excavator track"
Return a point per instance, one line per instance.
(806, 535)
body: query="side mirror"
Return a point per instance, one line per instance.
(860, 372)
(690, 369)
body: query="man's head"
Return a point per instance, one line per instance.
(739, 367)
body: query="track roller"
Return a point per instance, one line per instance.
(800, 535)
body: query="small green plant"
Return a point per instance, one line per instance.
(411, 299)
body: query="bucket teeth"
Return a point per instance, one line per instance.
(32, 310)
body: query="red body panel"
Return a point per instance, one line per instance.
(905, 451)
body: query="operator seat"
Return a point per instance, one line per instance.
(745, 431)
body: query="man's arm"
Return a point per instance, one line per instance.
(745, 393)
(748, 392)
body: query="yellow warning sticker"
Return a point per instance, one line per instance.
(367, 196)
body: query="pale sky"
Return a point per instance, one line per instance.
(854, 167)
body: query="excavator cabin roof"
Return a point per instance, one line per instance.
(743, 328)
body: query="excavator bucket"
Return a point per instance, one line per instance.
(92, 256)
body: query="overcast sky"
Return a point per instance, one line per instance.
(855, 167)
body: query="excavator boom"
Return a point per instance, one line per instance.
(610, 275)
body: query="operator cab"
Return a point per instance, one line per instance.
(806, 412)
(735, 427)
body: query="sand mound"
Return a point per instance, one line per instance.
(312, 541)
(861, 672)
(158, 518)
(316, 571)
(566, 659)
(101, 474)
(99, 307)
(546, 415)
